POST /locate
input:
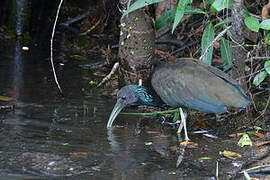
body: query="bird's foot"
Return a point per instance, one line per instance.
(168, 122)
(187, 139)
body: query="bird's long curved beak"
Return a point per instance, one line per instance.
(116, 110)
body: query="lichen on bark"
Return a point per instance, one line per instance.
(136, 46)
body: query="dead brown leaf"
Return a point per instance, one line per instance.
(152, 132)
(189, 143)
(78, 57)
(79, 154)
(173, 148)
(259, 135)
(99, 74)
(236, 134)
(262, 143)
(201, 124)
(163, 136)
(217, 45)
(5, 98)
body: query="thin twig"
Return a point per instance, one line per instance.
(115, 67)
(51, 58)
(265, 108)
(251, 74)
(250, 60)
(257, 57)
(212, 43)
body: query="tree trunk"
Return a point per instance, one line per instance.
(136, 46)
(238, 51)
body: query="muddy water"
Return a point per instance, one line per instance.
(52, 137)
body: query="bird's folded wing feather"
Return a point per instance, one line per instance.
(194, 85)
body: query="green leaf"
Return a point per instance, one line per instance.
(91, 82)
(168, 16)
(176, 116)
(265, 24)
(140, 4)
(207, 38)
(191, 10)
(205, 158)
(180, 12)
(226, 53)
(267, 36)
(247, 68)
(246, 12)
(244, 141)
(219, 5)
(252, 23)
(267, 66)
(148, 143)
(259, 78)
(210, 2)
(165, 19)
(225, 21)
(257, 128)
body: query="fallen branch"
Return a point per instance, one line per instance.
(51, 57)
(115, 67)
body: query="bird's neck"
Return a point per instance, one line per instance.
(147, 96)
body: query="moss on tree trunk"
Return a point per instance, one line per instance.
(136, 46)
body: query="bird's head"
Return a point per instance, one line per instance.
(128, 95)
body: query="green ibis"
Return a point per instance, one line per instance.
(184, 82)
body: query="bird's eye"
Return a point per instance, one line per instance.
(123, 97)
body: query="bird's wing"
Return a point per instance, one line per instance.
(220, 74)
(229, 91)
(190, 84)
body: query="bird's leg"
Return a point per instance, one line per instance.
(180, 127)
(183, 124)
(174, 123)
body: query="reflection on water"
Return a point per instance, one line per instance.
(19, 15)
(51, 136)
(115, 146)
(17, 68)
